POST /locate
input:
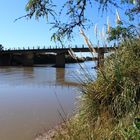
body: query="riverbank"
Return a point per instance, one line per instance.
(109, 107)
(28, 103)
(50, 134)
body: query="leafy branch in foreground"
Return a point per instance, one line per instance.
(121, 32)
(73, 13)
(39, 8)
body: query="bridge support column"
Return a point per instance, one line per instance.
(5, 59)
(100, 63)
(60, 61)
(27, 59)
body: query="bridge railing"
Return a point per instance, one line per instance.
(48, 47)
(45, 47)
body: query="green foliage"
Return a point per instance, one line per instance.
(137, 123)
(40, 8)
(109, 108)
(130, 133)
(121, 33)
(1, 47)
(119, 81)
(74, 12)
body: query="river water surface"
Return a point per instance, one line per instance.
(30, 98)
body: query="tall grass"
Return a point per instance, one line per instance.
(112, 102)
(109, 107)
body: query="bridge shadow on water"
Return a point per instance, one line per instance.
(36, 76)
(60, 78)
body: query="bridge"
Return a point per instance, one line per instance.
(25, 56)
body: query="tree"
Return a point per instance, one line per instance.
(1, 47)
(122, 33)
(75, 11)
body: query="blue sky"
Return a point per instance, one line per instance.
(24, 33)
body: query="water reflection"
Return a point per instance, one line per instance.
(28, 103)
(25, 111)
(37, 76)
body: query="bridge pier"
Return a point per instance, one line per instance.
(5, 59)
(27, 59)
(60, 60)
(100, 63)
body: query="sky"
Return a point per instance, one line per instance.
(24, 33)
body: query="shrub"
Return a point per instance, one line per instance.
(112, 102)
(109, 107)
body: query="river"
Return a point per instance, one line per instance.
(30, 98)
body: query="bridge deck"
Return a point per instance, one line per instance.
(58, 50)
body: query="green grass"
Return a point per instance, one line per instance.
(109, 107)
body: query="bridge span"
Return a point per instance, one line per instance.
(25, 56)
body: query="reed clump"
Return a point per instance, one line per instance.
(111, 104)
(109, 107)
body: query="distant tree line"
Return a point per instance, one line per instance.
(1, 47)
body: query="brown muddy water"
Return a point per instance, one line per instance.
(30, 99)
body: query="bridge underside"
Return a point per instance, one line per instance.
(16, 59)
(5, 59)
(28, 57)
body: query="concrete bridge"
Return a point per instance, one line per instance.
(25, 56)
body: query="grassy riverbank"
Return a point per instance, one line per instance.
(109, 107)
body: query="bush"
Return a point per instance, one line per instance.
(109, 107)
(112, 102)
